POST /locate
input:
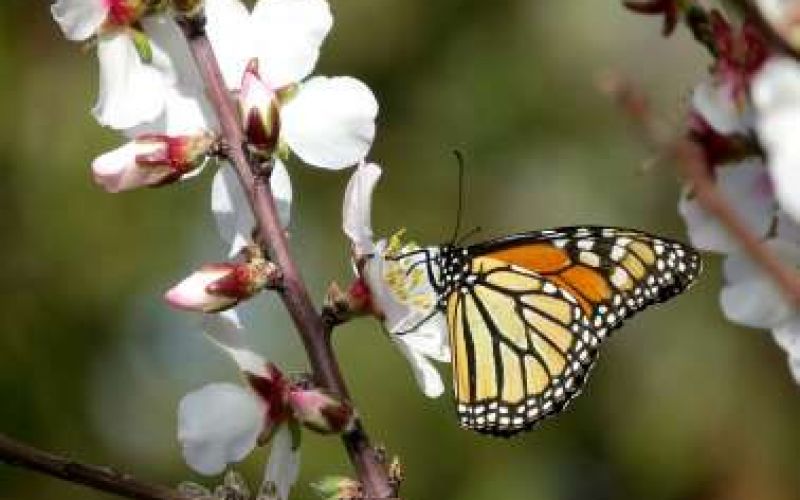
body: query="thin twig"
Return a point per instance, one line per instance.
(313, 332)
(692, 164)
(18, 454)
(775, 34)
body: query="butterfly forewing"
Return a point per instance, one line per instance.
(527, 316)
(612, 272)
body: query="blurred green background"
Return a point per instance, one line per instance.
(683, 405)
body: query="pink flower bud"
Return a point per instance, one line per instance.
(740, 53)
(272, 387)
(124, 12)
(216, 287)
(258, 104)
(150, 160)
(321, 412)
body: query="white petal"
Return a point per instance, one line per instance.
(177, 63)
(357, 210)
(226, 331)
(750, 297)
(131, 91)
(79, 19)
(428, 379)
(287, 36)
(776, 94)
(431, 338)
(117, 170)
(186, 112)
(281, 187)
(787, 335)
(283, 465)
(217, 425)
(331, 122)
(747, 188)
(229, 29)
(231, 209)
(717, 108)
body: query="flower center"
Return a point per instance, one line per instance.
(406, 273)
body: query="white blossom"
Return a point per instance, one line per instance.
(403, 296)
(776, 95)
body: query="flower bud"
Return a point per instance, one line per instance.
(321, 412)
(719, 148)
(150, 160)
(338, 488)
(216, 287)
(259, 107)
(125, 12)
(273, 388)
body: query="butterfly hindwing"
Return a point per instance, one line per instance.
(520, 347)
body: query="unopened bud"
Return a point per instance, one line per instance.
(259, 107)
(150, 160)
(125, 12)
(273, 388)
(321, 412)
(339, 488)
(719, 148)
(216, 287)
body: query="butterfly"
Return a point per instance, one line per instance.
(527, 313)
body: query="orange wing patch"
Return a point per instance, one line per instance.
(587, 285)
(539, 257)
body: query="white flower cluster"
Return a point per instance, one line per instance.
(746, 118)
(151, 91)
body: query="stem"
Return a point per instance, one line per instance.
(687, 155)
(15, 453)
(313, 332)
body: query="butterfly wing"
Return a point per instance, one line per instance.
(613, 272)
(526, 323)
(520, 347)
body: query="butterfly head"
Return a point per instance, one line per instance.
(453, 267)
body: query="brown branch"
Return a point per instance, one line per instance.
(18, 454)
(692, 164)
(778, 36)
(315, 336)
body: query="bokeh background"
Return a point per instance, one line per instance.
(682, 405)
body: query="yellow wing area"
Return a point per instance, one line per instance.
(520, 344)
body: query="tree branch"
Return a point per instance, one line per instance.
(18, 454)
(314, 334)
(775, 34)
(691, 162)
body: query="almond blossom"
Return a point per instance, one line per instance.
(722, 130)
(399, 289)
(223, 423)
(151, 160)
(133, 40)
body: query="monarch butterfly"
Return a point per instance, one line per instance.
(527, 312)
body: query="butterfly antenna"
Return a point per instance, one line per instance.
(460, 159)
(469, 234)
